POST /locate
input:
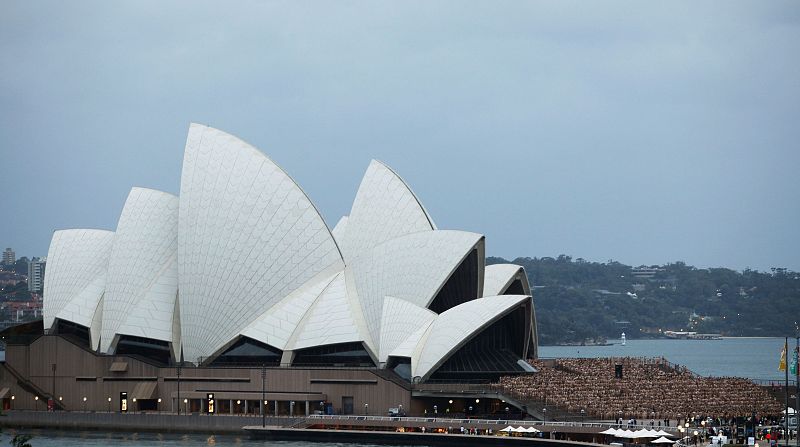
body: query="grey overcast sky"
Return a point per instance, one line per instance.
(644, 132)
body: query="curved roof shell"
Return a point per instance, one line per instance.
(412, 267)
(248, 255)
(142, 281)
(400, 318)
(247, 237)
(453, 328)
(340, 229)
(498, 277)
(330, 320)
(276, 326)
(384, 208)
(76, 277)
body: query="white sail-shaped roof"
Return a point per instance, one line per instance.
(340, 229)
(384, 208)
(247, 237)
(245, 254)
(498, 277)
(142, 282)
(497, 280)
(276, 326)
(76, 277)
(400, 318)
(456, 326)
(411, 346)
(330, 320)
(413, 267)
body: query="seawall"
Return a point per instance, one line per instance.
(406, 438)
(155, 422)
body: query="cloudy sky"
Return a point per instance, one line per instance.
(644, 132)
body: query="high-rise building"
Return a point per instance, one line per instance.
(9, 257)
(36, 274)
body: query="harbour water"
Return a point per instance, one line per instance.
(50, 438)
(753, 358)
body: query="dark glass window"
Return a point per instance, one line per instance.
(155, 350)
(492, 353)
(249, 352)
(75, 332)
(462, 286)
(401, 366)
(515, 288)
(341, 354)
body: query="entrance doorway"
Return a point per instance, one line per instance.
(347, 404)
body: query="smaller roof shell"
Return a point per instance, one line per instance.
(76, 277)
(498, 277)
(413, 267)
(142, 280)
(453, 328)
(384, 208)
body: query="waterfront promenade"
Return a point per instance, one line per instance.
(336, 428)
(154, 422)
(404, 438)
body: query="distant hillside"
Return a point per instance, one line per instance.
(577, 300)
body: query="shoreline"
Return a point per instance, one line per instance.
(402, 438)
(612, 343)
(135, 422)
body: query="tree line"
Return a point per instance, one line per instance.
(579, 301)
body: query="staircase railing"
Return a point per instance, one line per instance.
(31, 387)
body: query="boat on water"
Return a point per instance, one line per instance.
(689, 335)
(623, 339)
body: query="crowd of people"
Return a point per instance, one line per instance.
(649, 389)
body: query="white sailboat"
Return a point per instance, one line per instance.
(623, 339)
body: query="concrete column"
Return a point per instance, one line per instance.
(276, 407)
(245, 406)
(230, 406)
(307, 408)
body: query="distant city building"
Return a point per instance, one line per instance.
(18, 311)
(645, 272)
(10, 278)
(36, 274)
(9, 257)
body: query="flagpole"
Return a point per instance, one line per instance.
(796, 392)
(786, 372)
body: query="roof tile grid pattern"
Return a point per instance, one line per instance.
(142, 280)
(455, 326)
(276, 326)
(411, 267)
(498, 277)
(400, 319)
(76, 273)
(413, 343)
(247, 237)
(330, 320)
(340, 229)
(384, 208)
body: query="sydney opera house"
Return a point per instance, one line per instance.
(238, 287)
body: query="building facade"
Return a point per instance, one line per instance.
(9, 257)
(240, 272)
(36, 268)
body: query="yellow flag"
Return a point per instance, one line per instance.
(782, 364)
